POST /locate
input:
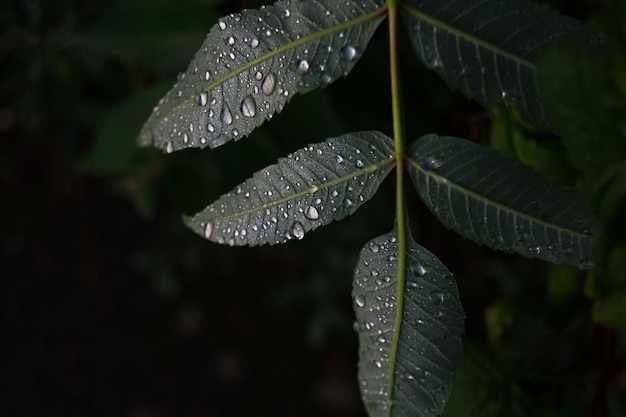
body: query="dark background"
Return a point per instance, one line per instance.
(111, 307)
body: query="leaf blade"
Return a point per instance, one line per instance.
(487, 49)
(310, 188)
(252, 63)
(405, 367)
(499, 203)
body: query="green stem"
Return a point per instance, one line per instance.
(400, 210)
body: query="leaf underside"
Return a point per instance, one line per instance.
(498, 202)
(487, 49)
(253, 62)
(407, 358)
(312, 187)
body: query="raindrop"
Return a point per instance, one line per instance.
(185, 138)
(254, 43)
(436, 297)
(312, 213)
(297, 231)
(346, 203)
(348, 53)
(378, 364)
(359, 300)
(286, 13)
(210, 128)
(230, 40)
(226, 116)
(381, 339)
(248, 106)
(222, 25)
(417, 270)
(428, 162)
(208, 230)
(207, 75)
(203, 98)
(339, 159)
(269, 84)
(359, 163)
(374, 248)
(585, 264)
(302, 67)
(169, 147)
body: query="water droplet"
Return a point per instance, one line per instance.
(359, 163)
(229, 41)
(339, 159)
(208, 229)
(378, 364)
(359, 300)
(585, 264)
(210, 128)
(374, 248)
(185, 138)
(207, 75)
(254, 43)
(222, 25)
(312, 213)
(297, 231)
(226, 116)
(248, 106)
(433, 63)
(436, 297)
(286, 13)
(428, 162)
(417, 270)
(269, 84)
(302, 67)
(348, 53)
(169, 147)
(203, 98)
(346, 203)
(381, 339)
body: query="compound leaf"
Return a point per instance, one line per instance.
(410, 322)
(310, 188)
(487, 48)
(498, 202)
(253, 62)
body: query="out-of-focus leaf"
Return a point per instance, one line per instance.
(498, 202)
(310, 188)
(410, 322)
(253, 62)
(612, 311)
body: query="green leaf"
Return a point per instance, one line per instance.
(310, 188)
(498, 202)
(410, 323)
(253, 62)
(487, 49)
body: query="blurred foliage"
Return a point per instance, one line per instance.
(111, 307)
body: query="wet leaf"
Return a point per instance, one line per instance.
(408, 349)
(498, 202)
(310, 188)
(487, 49)
(253, 62)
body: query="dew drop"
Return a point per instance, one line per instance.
(297, 231)
(210, 128)
(207, 75)
(302, 67)
(436, 297)
(417, 270)
(248, 106)
(348, 53)
(169, 147)
(203, 98)
(381, 339)
(433, 63)
(208, 229)
(230, 40)
(226, 116)
(374, 248)
(378, 364)
(428, 162)
(312, 213)
(269, 84)
(359, 163)
(339, 159)
(185, 138)
(254, 43)
(359, 300)
(346, 203)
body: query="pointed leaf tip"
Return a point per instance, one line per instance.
(407, 358)
(252, 63)
(312, 187)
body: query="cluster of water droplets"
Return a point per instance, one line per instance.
(311, 187)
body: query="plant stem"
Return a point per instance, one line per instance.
(400, 204)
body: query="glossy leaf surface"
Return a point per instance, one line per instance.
(310, 188)
(410, 323)
(498, 202)
(487, 49)
(253, 62)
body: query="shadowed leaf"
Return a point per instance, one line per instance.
(498, 202)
